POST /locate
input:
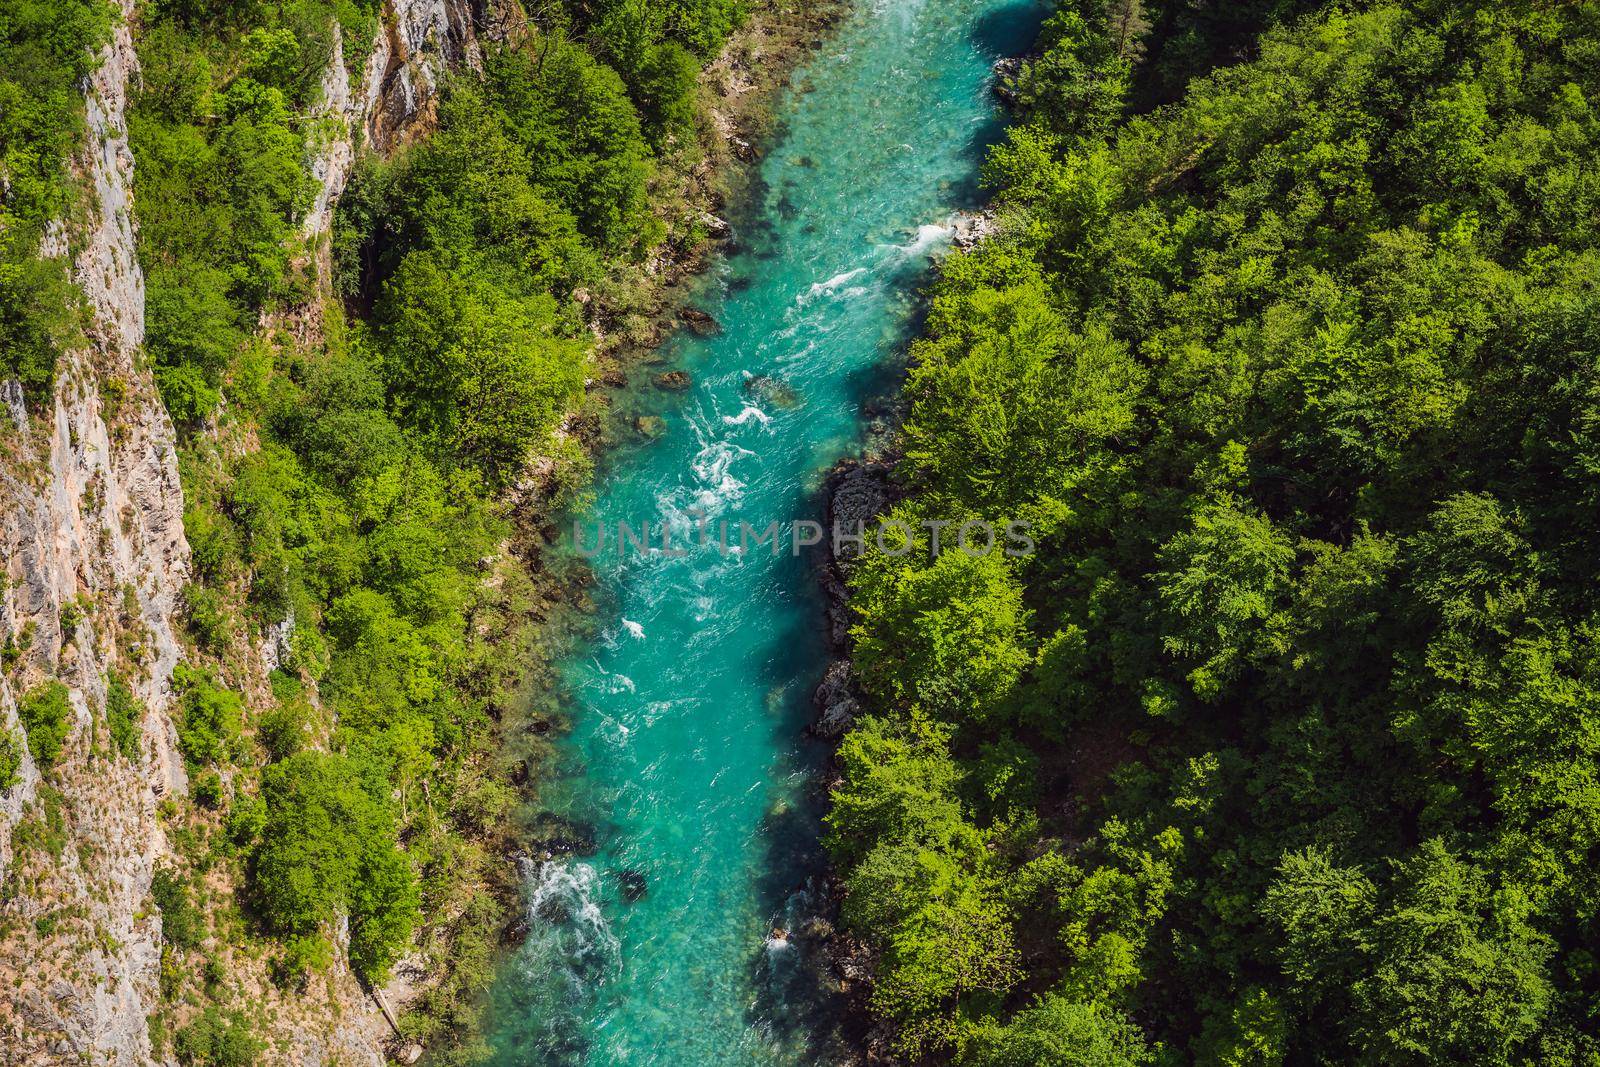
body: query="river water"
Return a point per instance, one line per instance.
(686, 760)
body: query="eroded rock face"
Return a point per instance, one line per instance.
(95, 560)
(857, 493)
(835, 700)
(420, 40)
(91, 530)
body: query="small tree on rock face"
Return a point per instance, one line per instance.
(10, 758)
(327, 848)
(46, 716)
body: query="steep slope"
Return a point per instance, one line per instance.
(170, 721)
(91, 520)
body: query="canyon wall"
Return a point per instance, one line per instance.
(95, 561)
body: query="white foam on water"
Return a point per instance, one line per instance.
(929, 236)
(614, 683)
(829, 287)
(635, 630)
(655, 709)
(749, 413)
(713, 468)
(566, 928)
(616, 731)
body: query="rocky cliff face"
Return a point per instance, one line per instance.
(94, 557)
(91, 527)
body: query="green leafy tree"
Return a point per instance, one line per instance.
(572, 116)
(482, 370)
(327, 848)
(124, 717)
(46, 50)
(1221, 581)
(10, 759)
(219, 1039)
(46, 718)
(950, 637)
(1457, 971)
(1056, 1032)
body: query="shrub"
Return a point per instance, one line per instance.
(211, 719)
(124, 716)
(47, 718)
(10, 759)
(216, 1039)
(183, 925)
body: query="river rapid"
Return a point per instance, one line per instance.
(686, 760)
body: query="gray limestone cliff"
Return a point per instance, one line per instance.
(95, 560)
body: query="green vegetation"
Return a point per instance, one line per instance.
(216, 1039)
(210, 719)
(10, 758)
(47, 720)
(183, 925)
(124, 718)
(219, 151)
(1282, 746)
(341, 495)
(326, 849)
(46, 48)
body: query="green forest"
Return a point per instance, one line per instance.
(46, 49)
(347, 494)
(1282, 747)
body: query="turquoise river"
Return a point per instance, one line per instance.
(686, 763)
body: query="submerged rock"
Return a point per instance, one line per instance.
(634, 885)
(650, 425)
(674, 381)
(775, 391)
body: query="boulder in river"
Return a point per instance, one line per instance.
(650, 425)
(775, 391)
(675, 381)
(1006, 72)
(700, 322)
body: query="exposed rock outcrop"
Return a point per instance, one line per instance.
(95, 560)
(91, 526)
(857, 493)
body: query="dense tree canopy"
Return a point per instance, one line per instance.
(1281, 747)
